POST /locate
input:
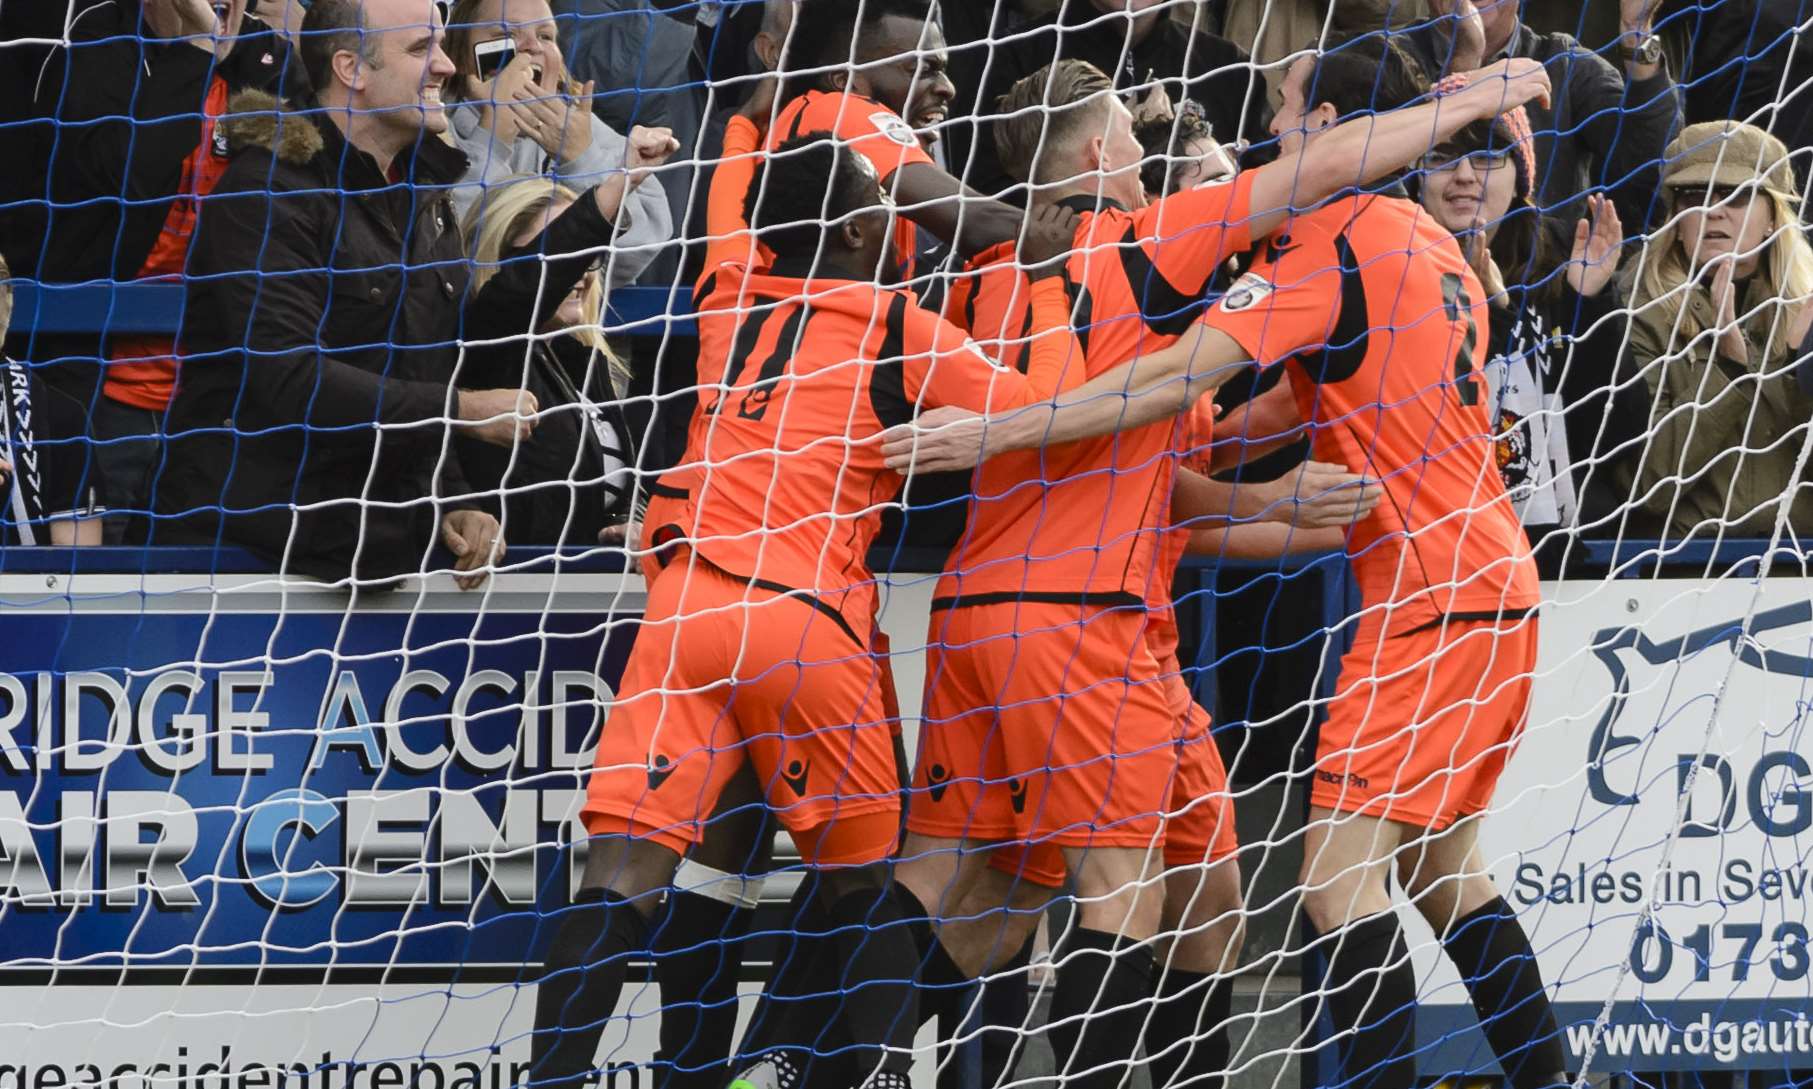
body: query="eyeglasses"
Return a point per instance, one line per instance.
(1709, 196)
(1441, 162)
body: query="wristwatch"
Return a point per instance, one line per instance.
(1647, 49)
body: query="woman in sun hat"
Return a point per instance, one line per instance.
(1714, 418)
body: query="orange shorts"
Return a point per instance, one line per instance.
(662, 520)
(724, 672)
(1427, 711)
(1043, 723)
(1199, 822)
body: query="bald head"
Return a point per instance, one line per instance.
(777, 23)
(777, 17)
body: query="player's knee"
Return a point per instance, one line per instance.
(1113, 894)
(632, 867)
(835, 884)
(738, 837)
(1330, 906)
(1212, 947)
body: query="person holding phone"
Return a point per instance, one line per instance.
(515, 111)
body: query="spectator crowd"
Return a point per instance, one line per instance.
(398, 226)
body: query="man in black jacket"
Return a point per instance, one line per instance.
(138, 145)
(319, 338)
(1606, 127)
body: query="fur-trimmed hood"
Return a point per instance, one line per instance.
(261, 119)
(298, 132)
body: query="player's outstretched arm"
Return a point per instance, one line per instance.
(1314, 495)
(1055, 361)
(727, 236)
(1139, 392)
(1368, 148)
(967, 220)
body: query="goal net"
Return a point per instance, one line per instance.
(391, 385)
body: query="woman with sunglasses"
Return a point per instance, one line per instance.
(1715, 420)
(532, 322)
(1540, 298)
(515, 112)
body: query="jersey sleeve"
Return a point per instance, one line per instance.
(1283, 306)
(727, 235)
(1055, 362)
(869, 127)
(1188, 235)
(942, 366)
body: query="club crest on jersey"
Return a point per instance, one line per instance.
(1246, 292)
(890, 125)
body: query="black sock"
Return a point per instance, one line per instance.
(1493, 954)
(874, 946)
(943, 987)
(698, 956)
(1005, 1006)
(1098, 1008)
(580, 983)
(1370, 991)
(792, 977)
(1187, 1039)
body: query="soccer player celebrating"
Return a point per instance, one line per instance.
(1377, 312)
(873, 75)
(755, 647)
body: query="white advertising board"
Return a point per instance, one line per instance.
(1641, 683)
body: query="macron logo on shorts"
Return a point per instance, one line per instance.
(659, 769)
(794, 775)
(939, 777)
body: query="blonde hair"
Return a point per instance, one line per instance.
(1665, 271)
(511, 208)
(1044, 114)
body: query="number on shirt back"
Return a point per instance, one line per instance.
(1460, 308)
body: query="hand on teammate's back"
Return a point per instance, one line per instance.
(1320, 495)
(1049, 238)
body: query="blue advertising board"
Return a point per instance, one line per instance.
(210, 773)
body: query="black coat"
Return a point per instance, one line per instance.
(1596, 133)
(130, 113)
(126, 112)
(319, 345)
(560, 487)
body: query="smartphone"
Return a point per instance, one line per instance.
(491, 57)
